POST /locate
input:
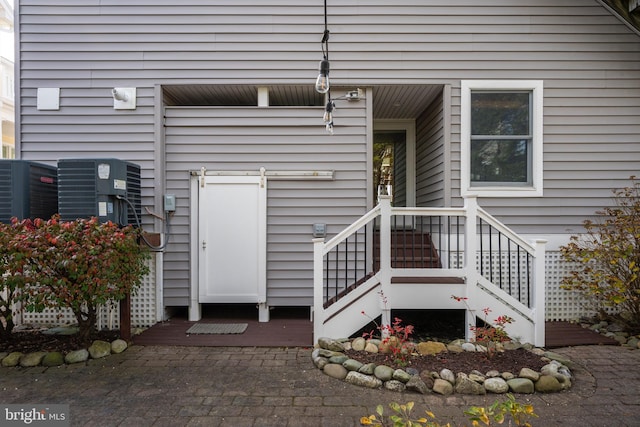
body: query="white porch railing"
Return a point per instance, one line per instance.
(417, 258)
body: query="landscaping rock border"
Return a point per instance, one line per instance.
(328, 355)
(612, 330)
(97, 350)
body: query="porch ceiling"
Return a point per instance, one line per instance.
(626, 10)
(389, 101)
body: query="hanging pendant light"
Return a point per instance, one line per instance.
(322, 82)
(328, 116)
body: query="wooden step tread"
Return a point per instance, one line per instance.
(428, 280)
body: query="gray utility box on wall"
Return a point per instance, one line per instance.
(105, 188)
(27, 190)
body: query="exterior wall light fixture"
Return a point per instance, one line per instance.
(124, 98)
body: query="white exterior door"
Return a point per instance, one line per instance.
(232, 233)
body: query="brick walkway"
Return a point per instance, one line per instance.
(245, 386)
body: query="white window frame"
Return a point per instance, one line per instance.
(535, 188)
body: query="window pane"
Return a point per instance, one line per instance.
(503, 160)
(500, 113)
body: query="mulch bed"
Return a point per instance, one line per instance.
(507, 361)
(32, 341)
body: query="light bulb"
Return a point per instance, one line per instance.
(322, 82)
(329, 128)
(328, 116)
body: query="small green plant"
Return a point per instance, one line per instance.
(497, 413)
(492, 334)
(487, 334)
(398, 341)
(606, 259)
(395, 337)
(401, 417)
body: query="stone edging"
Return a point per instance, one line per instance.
(329, 357)
(97, 350)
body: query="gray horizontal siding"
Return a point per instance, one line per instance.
(589, 61)
(246, 139)
(87, 126)
(392, 41)
(430, 157)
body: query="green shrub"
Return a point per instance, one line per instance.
(13, 259)
(81, 265)
(607, 258)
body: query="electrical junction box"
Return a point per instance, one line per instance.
(169, 202)
(27, 190)
(319, 230)
(109, 189)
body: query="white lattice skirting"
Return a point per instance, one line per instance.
(143, 309)
(561, 304)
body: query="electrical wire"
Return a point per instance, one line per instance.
(166, 221)
(324, 43)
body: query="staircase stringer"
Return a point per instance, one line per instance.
(489, 296)
(350, 313)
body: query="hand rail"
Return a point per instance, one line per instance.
(487, 217)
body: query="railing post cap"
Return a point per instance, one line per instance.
(318, 240)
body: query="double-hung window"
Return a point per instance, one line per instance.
(501, 138)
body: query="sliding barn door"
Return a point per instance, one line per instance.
(232, 233)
